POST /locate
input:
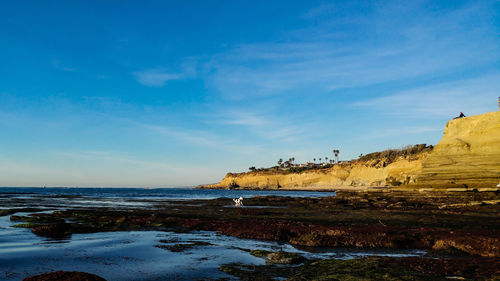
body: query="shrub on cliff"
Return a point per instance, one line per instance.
(391, 155)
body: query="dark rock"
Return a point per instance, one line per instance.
(65, 276)
(55, 230)
(260, 253)
(282, 257)
(279, 257)
(181, 247)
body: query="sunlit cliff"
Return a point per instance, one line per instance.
(468, 156)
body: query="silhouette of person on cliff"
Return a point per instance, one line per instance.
(462, 115)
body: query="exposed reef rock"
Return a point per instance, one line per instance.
(54, 230)
(454, 223)
(279, 257)
(468, 156)
(65, 276)
(372, 268)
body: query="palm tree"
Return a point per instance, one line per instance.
(326, 159)
(336, 153)
(280, 162)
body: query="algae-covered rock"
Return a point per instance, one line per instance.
(282, 257)
(260, 253)
(373, 269)
(368, 269)
(65, 276)
(181, 247)
(5, 212)
(54, 230)
(25, 225)
(279, 257)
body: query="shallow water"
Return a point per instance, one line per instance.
(132, 255)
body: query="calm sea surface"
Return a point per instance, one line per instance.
(167, 193)
(132, 255)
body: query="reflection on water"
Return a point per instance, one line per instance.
(132, 255)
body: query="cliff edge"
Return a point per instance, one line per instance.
(468, 156)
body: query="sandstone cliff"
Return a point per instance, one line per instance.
(468, 156)
(352, 174)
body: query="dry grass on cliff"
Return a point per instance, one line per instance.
(390, 155)
(374, 159)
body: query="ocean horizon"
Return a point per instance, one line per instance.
(167, 193)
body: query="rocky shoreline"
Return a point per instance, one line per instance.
(455, 228)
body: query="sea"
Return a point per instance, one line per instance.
(132, 255)
(166, 193)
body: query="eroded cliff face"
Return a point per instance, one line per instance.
(467, 156)
(353, 174)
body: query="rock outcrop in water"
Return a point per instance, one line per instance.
(65, 276)
(468, 156)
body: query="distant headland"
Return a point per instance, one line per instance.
(466, 158)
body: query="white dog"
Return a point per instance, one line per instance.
(238, 202)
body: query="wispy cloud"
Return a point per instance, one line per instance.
(203, 138)
(242, 118)
(59, 65)
(264, 123)
(472, 96)
(120, 158)
(155, 77)
(141, 172)
(408, 130)
(35, 174)
(433, 45)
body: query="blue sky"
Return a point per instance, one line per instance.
(177, 93)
